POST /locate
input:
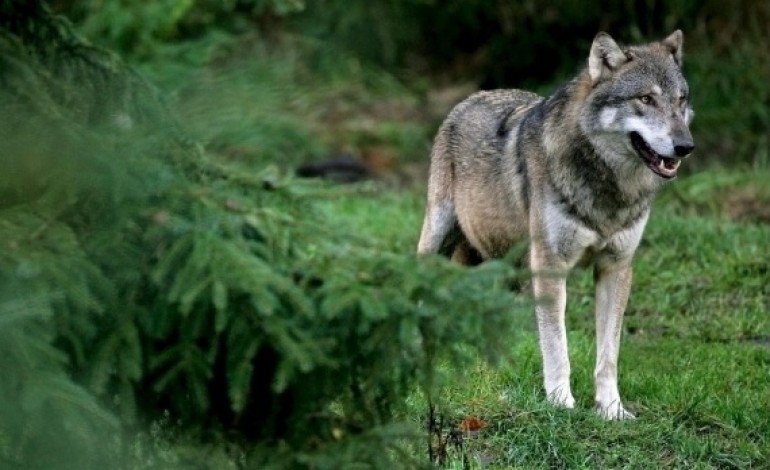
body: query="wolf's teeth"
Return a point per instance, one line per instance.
(663, 165)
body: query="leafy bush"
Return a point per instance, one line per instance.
(144, 279)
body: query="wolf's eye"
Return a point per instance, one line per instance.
(645, 99)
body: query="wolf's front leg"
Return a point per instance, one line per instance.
(613, 283)
(550, 288)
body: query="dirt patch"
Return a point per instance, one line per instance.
(748, 205)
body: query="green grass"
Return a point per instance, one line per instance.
(697, 404)
(695, 357)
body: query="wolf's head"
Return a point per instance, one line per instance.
(639, 103)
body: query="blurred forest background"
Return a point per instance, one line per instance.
(172, 295)
(426, 46)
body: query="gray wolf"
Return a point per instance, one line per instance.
(574, 174)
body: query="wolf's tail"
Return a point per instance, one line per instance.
(440, 229)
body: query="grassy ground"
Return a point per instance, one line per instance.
(695, 359)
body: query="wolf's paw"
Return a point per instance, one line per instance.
(562, 397)
(614, 411)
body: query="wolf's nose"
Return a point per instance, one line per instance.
(682, 150)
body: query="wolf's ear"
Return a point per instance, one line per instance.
(606, 56)
(674, 44)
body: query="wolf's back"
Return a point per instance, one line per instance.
(480, 124)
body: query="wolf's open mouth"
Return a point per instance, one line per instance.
(663, 166)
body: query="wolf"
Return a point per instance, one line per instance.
(574, 175)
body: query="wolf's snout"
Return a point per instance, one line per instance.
(684, 148)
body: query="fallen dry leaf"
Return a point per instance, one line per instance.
(472, 424)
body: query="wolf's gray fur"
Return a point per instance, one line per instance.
(575, 174)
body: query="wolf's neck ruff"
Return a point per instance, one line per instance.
(589, 193)
(589, 189)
